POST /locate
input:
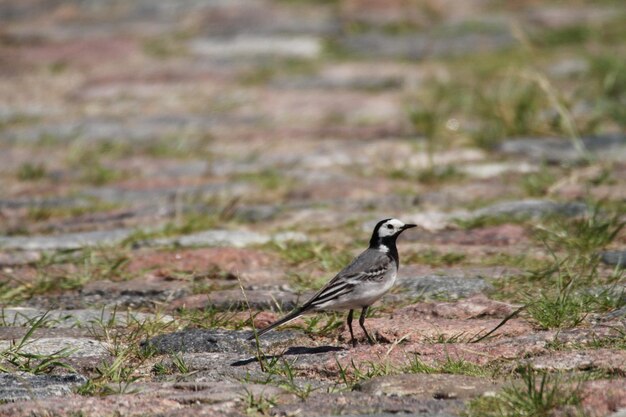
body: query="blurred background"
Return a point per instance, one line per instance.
(157, 157)
(187, 113)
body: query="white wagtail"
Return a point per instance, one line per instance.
(368, 277)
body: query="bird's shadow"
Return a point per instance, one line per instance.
(295, 350)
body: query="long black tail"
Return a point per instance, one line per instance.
(295, 313)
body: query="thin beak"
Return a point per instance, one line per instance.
(408, 226)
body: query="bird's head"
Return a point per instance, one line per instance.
(387, 231)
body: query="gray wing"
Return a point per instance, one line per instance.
(370, 265)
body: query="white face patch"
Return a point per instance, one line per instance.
(390, 228)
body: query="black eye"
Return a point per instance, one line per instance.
(389, 226)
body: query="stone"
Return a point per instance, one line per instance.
(19, 258)
(430, 220)
(612, 362)
(616, 314)
(425, 386)
(223, 391)
(22, 386)
(164, 194)
(360, 404)
(23, 316)
(138, 292)
(229, 341)
(530, 209)
(233, 238)
(477, 306)
(496, 236)
(234, 300)
(373, 44)
(200, 261)
(68, 404)
(607, 147)
(446, 322)
(604, 396)
(438, 287)
(615, 257)
(494, 169)
(73, 347)
(307, 47)
(70, 241)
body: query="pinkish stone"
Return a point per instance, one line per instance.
(604, 397)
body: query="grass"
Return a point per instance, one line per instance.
(281, 372)
(429, 119)
(44, 213)
(16, 358)
(504, 94)
(211, 318)
(166, 46)
(256, 405)
(322, 324)
(354, 373)
(269, 179)
(433, 175)
(569, 285)
(189, 222)
(538, 394)
(302, 253)
(616, 340)
(31, 172)
(449, 366)
(276, 68)
(58, 272)
(537, 184)
(128, 355)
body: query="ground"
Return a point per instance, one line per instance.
(173, 173)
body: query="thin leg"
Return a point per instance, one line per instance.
(362, 323)
(350, 327)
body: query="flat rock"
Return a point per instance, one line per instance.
(556, 150)
(19, 258)
(233, 341)
(477, 306)
(614, 257)
(425, 386)
(607, 360)
(216, 260)
(69, 241)
(257, 46)
(163, 193)
(210, 392)
(530, 209)
(441, 286)
(374, 44)
(23, 386)
(73, 347)
(360, 404)
(445, 323)
(234, 299)
(232, 238)
(493, 169)
(602, 397)
(138, 292)
(24, 316)
(493, 236)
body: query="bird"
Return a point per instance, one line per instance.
(360, 284)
